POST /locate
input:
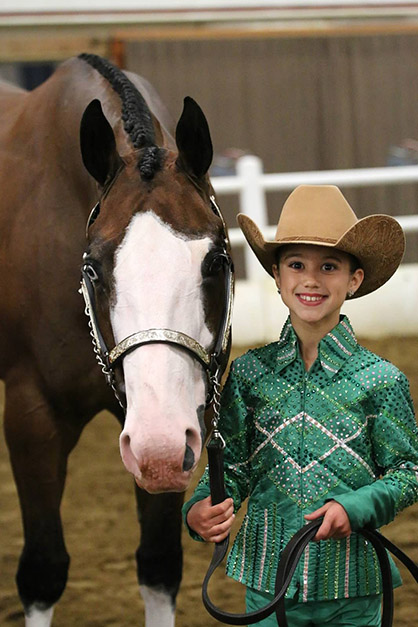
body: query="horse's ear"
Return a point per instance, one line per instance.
(193, 139)
(98, 144)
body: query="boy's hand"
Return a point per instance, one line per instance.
(211, 522)
(336, 523)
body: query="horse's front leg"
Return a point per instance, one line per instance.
(159, 556)
(38, 446)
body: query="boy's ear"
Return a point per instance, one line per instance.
(276, 274)
(357, 279)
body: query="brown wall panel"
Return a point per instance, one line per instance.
(308, 103)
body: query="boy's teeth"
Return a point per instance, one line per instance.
(311, 298)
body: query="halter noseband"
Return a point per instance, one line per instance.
(212, 362)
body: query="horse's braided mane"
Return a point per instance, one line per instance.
(151, 162)
(136, 116)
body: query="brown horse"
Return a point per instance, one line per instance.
(154, 276)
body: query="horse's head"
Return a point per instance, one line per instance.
(156, 275)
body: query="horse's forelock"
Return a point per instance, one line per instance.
(150, 162)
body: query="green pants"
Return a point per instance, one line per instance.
(355, 612)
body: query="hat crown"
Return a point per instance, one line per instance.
(315, 213)
(319, 214)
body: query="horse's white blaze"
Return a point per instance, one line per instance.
(36, 617)
(159, 608)
(158, 284)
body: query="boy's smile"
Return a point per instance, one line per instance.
(314, 282)
(311, 299)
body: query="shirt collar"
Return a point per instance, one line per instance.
(287, 346)
(336, 347)
(333, 351)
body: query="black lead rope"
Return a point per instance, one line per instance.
(290, 556)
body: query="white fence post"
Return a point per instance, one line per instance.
(253, 204)
(372, 317)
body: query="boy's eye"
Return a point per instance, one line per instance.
(328, 267)
(296, 265)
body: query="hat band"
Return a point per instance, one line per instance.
(307, 238)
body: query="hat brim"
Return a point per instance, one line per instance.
(377, 241)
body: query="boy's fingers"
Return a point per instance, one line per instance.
(220, 532)
(219, 538)
(313, 515)
(323, 531)
(218, 520)
(222, 509)
(318, 512)
(214, 524)
(213, 521)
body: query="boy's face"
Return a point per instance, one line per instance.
(314, 282)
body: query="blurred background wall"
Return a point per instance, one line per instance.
(304, 86)
(300, 103)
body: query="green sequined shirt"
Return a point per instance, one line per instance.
(345, 430)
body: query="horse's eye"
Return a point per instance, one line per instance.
(91, 272)
(217, 263)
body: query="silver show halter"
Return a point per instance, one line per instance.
(212, 362)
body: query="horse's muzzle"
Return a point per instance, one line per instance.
(161, 466)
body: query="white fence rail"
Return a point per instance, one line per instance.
(251, 184)
(258, 312)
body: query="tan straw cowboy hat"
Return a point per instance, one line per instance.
(320, 215)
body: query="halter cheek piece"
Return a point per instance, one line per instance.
(212, 362)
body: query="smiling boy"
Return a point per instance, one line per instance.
(315, 425)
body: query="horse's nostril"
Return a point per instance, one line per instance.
(189, 456)
(125, 441)
(188, 460)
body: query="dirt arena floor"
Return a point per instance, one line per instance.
(102, 535)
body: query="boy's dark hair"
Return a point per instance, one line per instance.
(354, 263)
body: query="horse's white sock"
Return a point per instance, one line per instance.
(159, 608)
(36, 617)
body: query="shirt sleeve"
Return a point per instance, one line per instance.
(235, 427)
(394, 438)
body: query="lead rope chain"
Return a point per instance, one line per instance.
(216, 406)
(108, 372)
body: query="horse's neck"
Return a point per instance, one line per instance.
(157, 108)
(9, 89)
(12, 102)
(39, 136)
